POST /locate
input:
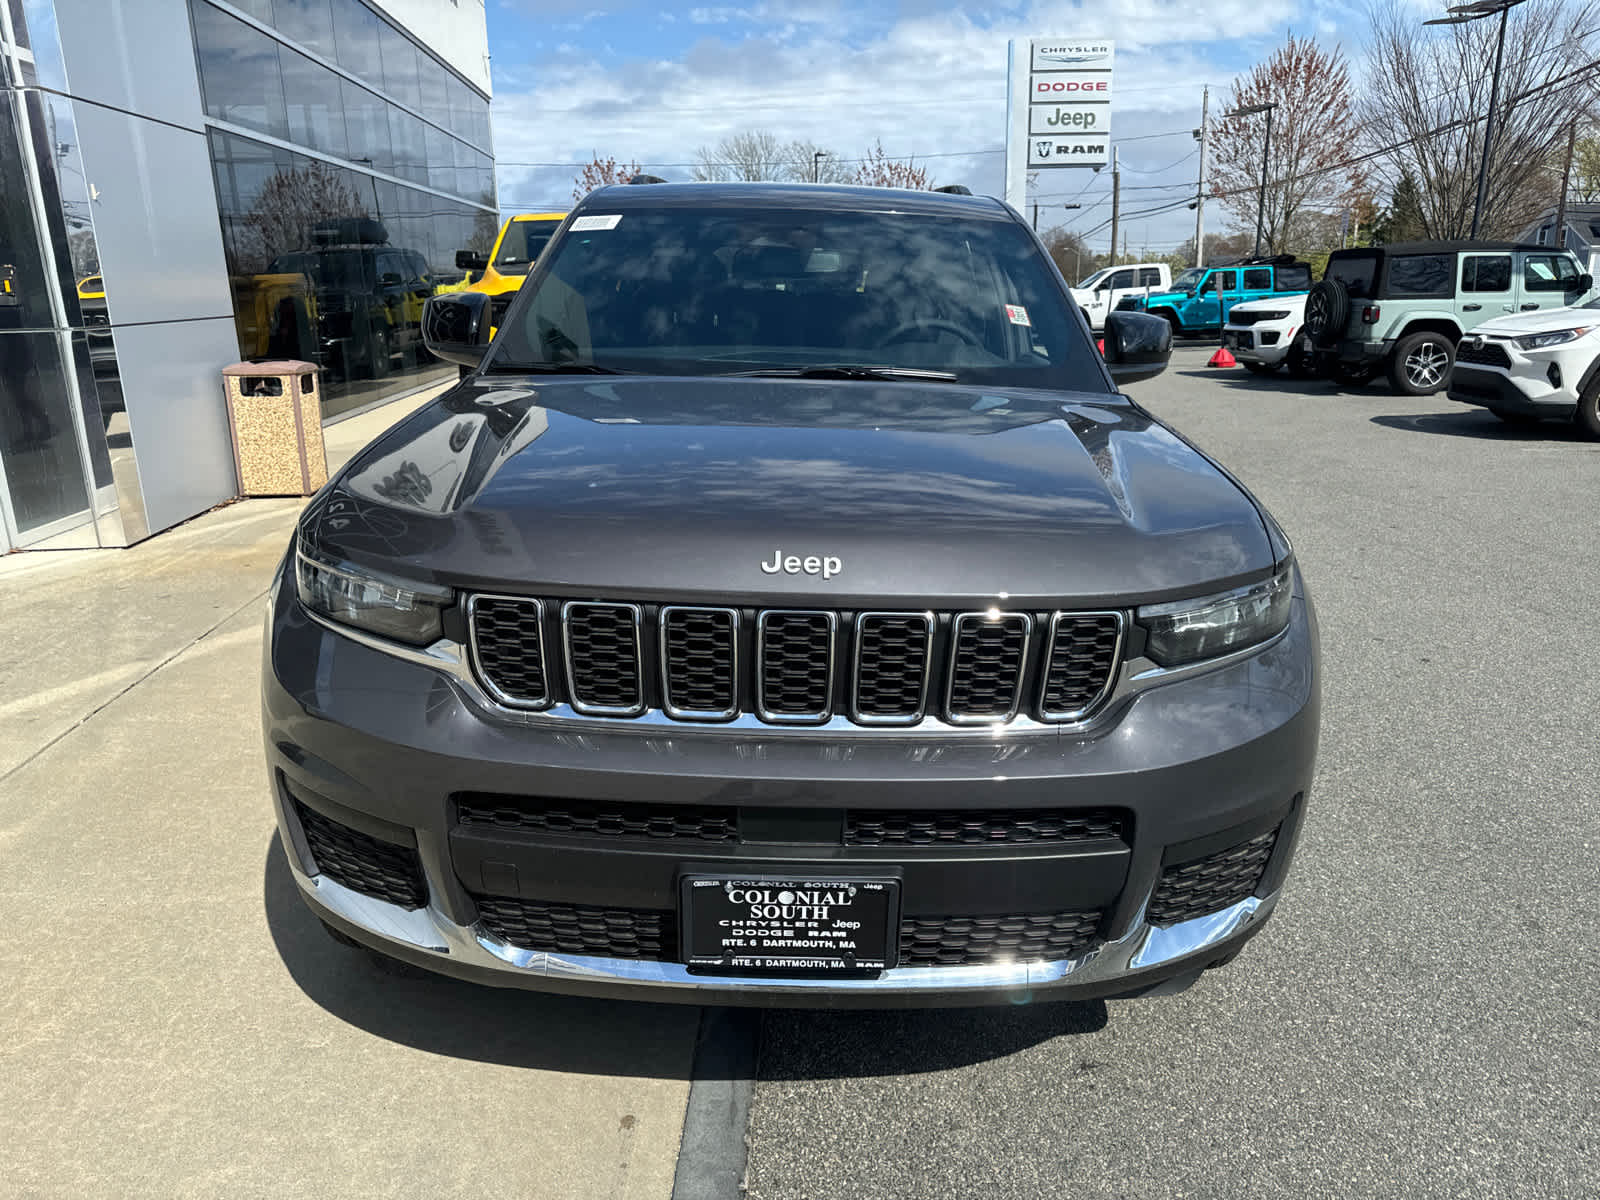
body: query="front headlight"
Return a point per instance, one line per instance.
(392, 608)
(1275, 315)
(1187, 631)
(1556, 337)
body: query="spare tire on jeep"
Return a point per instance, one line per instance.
(1327, 312)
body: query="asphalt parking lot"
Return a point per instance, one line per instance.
(1419, 1019)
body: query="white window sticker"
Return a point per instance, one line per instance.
(609, 221)
(1017, 315)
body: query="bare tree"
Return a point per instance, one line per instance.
(1584, 187)
(805, 160)
(291, 204)
(751, 155)
(1071, 253)
(1313, 129)
(1426, 95)
(601, 172)
(877, 169)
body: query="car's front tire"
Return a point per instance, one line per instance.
(1301, 363)
(1420, 364)
(1351, 374)
(1588, 414)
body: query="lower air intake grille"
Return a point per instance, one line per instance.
(603, 661)
(577, 929)
(977, 941)
(601, 819)
(1082, 662)
(892, 666)
(1210, 884)
(362, 863)
(978, 827)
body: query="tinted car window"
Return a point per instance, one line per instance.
(522, 244)
(1355, 271)
(1258, 279)
(1222, 281)
(1486, 273)
(1422, 275)
(1122, 279)
(1295, 277)
(1548, 273)
(725, 290)
(1150, 277)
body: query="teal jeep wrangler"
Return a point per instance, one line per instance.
(1201, 297)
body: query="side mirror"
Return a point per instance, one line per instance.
(1584, 284)
(455, 327)
(390, 279)
(1138, 345)
(471, 260)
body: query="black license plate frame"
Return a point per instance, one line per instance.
(774, 926)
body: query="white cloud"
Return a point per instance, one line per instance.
(931, 83)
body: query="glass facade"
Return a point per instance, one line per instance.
(332, 251)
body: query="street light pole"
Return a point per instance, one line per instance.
(816, 164)
(1473, 12)
(1266, 146)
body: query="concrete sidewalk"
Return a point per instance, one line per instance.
(175, 1021)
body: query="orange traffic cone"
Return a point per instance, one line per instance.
(1222, 358)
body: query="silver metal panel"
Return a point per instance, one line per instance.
(132, 54)
(172, 384)
(155, 216)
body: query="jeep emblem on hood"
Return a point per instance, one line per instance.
(793, 564)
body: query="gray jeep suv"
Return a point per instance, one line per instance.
(1401, 310)
(788, 609)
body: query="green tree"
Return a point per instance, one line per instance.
(1403, 220)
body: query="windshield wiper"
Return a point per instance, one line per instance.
(545, 368)
(847, 371)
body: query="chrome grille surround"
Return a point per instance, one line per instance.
(970, 654)
(789, 717)
(666, 644)
(864, 623)
(1083, 710)
(486, 668)
(573, 612)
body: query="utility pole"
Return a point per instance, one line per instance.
(1566, 178)
(1200, 188)
(1116, 202)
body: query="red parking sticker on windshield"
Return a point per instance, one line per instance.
(1017, 315)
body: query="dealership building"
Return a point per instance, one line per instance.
(188, 183)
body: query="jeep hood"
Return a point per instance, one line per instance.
(1292, 301)
(635, 487)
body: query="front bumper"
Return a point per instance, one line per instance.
(1248, 343)
(1198, 766)
(1524, 388)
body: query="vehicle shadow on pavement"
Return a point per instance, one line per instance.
(450, 1017)
(799, 1044)
(1480, 423)
(1279, 382)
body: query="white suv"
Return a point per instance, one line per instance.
(1267, 334)
(1534, 365)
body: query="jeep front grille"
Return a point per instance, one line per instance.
(794, 667)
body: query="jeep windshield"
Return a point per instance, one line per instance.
(521, 245)
(860, 295)
(1189, 280)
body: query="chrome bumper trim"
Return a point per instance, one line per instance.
(428, 929)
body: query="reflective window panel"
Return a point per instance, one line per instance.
(239, 72)
(38, 444)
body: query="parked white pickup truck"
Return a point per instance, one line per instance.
(1098, 294)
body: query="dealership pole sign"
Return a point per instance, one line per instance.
(1058, 111)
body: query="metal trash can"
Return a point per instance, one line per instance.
(275, 420)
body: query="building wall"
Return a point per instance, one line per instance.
(189, 182)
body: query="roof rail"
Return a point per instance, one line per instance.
(647, 179)
(955, 189)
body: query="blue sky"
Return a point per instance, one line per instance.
(656, 81)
